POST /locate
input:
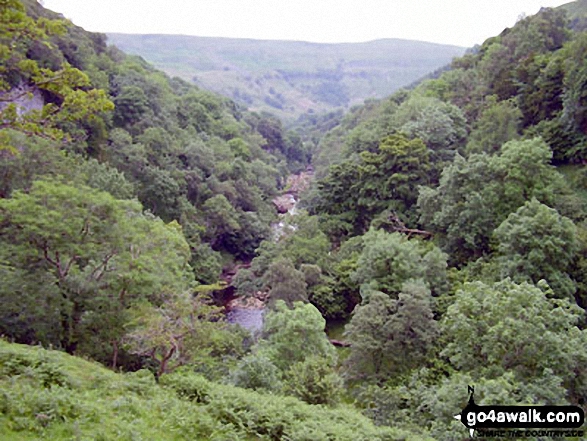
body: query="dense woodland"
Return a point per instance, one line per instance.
(446, 229)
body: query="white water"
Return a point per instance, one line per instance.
(251, 319)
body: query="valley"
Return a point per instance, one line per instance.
(388, 248)
(287, 78)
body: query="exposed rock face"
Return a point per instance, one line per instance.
(245, 303)
(25, 97)
(296, 184)
(249, 319)
(284, 203)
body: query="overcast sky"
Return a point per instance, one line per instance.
(459, 22)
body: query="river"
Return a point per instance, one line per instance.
(249, 313)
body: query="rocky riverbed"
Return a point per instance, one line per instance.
(248, 312)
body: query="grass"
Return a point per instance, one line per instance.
(49, 395)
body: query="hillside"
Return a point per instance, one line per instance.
(289, 78)
(445, 230)
(577, 14)
(49, 395)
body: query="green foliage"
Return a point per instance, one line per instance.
(509, 327)
(440, 125)
(420, 403)
(293, 357)
(390, 337)
(174, 333)
(307, 244)
(314, 381)
(285, 283)
(173, 143)
(188, 386)
(87, 401)
(105, 178)
(292, 335)
(21, 77)
(300, 266)
(536, 243)
(389, 260)
(98, 256)
(256, 371)
(353, 194)
(321, 293)
(83, 268)
(131, 103)
(37, 157)
(477, 193)
(574, 98)
(497, 125)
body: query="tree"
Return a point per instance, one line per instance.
(574, 97)
(294, 356)
(71, 98)
(271, 129)
(499, 123)
(541, 89)
(321, 292)
(440, 125)
(389, 178)
(536, 243)
(354, 193)
(390, 337)
(307, 243)
(314, 381)
(98, 255)
(103, 177)
(159, 192)
(192, 112)
(292, 335)
(477, 193)
(130, 104)
(389, 260)
(171, 334)
(256, 371)
(336, 200)
(509, 327)
(221, 219)
(285, 283)
(343, 290)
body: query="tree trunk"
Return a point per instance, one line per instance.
(114, 355)
(165, 360)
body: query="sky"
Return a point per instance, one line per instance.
(457, 22)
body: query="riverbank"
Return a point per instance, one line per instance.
(248, 312)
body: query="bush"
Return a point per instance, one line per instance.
(188, 386)
(256, 371)
(314, 381)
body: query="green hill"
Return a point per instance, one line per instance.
(54, 396)
(289, 78)
(577, 14)
(438, 224)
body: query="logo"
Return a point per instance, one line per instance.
(491, 418)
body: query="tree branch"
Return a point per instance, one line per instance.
(103, 266)
(414, 231)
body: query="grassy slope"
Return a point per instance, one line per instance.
(287, 77)
(50, 395)
(575, 9)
